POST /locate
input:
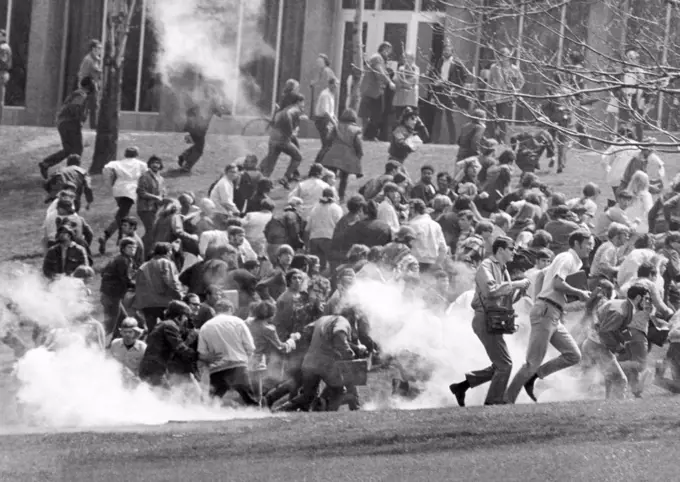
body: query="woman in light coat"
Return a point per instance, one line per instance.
(642, 202)
(407, 82)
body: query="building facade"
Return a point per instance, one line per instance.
(49, 39)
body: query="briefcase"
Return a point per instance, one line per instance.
(354, 372)
(657, 335)
(578, 280)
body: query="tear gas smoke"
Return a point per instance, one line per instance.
(75, 386)
(440, 348)
(199, 39)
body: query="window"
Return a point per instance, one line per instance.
(433, 6)
(141, 87)
(352, 4)
(398, 5)
(15, 19)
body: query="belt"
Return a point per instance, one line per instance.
(552, 303)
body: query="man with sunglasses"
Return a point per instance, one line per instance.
(493, 288)
(546, 318)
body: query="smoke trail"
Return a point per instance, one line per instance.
(200, 37)
(75, 386)
(444, 347)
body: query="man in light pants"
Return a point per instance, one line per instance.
(546, 319)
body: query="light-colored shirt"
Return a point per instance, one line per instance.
(632, 262)
(254, 224)
(325, 104)
(388, 214)
(323, 219)
(124, 175)
(229, 337)
(639, 211)
(129, 357)
(605, 261)
(656, 169)
(430, 245)
(612, 215)
(564, 265)
(91, 66)
(589, 204)
(223, 196)
(310, 191)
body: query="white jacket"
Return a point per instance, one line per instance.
(124, 175)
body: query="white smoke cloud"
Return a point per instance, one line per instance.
(446, 347)
(71, 386)
(202, 36)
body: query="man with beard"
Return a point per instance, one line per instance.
(373, 84)
(493, 288)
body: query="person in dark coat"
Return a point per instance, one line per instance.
(202, 108)
(405, 138)
(70, 120)
(369, 231)
(471, 136)
(425, 189)
(356, 206)
(345, 151)
(150, 194)
(530, 146)
(71, 174)
(64, 257)
(450, 76)
(248, 183)
(286, 228)
(118, 277)
(262, 189)
(165, 345)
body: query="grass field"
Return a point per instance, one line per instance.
(634, 440)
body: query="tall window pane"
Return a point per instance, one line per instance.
(398, 4)
(4, 6)
(150, 95)
(368, 4)
(131, 66)
(19, 27)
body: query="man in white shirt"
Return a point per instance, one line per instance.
(324, 116)
(228, 337)
(429, 247)
(546, 319)
(387, 210)
(616, 158)
(129, 349)
(123, 177)
(222, 195)
(310, 190)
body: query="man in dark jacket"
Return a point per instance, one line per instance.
(425, 189)
(71, 174)
(118, 277)
(70, 120)
(373, 84)
(165, 345)
(285, 228)
(63, 258)
(529, 147)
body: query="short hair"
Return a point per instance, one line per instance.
(399, 178)
(131, 152)
(501, 219)
(533, 198)
(558, 199)
(154, 159)
(624, 194)
(357, 252)
(392, 166)
(390, 187)
(645, 241)
(383, 46)
(635, 291)
(251, 264)
(229, 167)
(441, 202)
(467, 214)
(293, 272)
(591, 189)
(578, 236)
(440, 274)
(375, 254)
(284, 249)
(267, 205)
(214, 290)
(73, 160)
(162, 249)
(326, 60)
(223, 305)
(356, 203)
(672, 237)
(83, 272)
(264, 185)
(529, 180)
(446, 175)
(94, 43)
(125, 242)
(544, 253)
(502, 242)
(131, 220)
(506, 157)
(647, 270)
(542, 239)
(296, 97)
(176, 309)
(315, 170)
(484, 227)
(263, 310)
(615, 229)
(234, 230)
(427, 167)
(418, 206)
(87, 83)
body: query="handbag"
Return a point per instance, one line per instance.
(657, 335)
(500, 320)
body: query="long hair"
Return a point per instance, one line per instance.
(639, 183)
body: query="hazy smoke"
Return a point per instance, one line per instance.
(201, 37)
(440, 349)
(74, 386)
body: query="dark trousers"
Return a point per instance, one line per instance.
(71, 136)
(672, 359)
(501, 363)
(93, 107)
(191, 156)
(501, 113)
(148, 218)
(634, 361)
(320, 247)
(113, 313)
(151, 316)
(310, 389)
(323, 124)
(371, 111)
(444, 130)
(236, 378)
(561, 147)
(289, 147)
(124, 206)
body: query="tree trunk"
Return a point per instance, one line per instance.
(106, 143)
(358, 56)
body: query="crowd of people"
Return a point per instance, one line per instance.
(254, 297)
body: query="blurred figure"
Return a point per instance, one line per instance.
(91, 67)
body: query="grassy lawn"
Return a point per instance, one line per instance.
(566, 442)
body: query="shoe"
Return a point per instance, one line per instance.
(44, 171)
(180, 161)
(102, 246)
(529, 387)
(459, 392)
(559, 170)
(497, 403)
(552, 163)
